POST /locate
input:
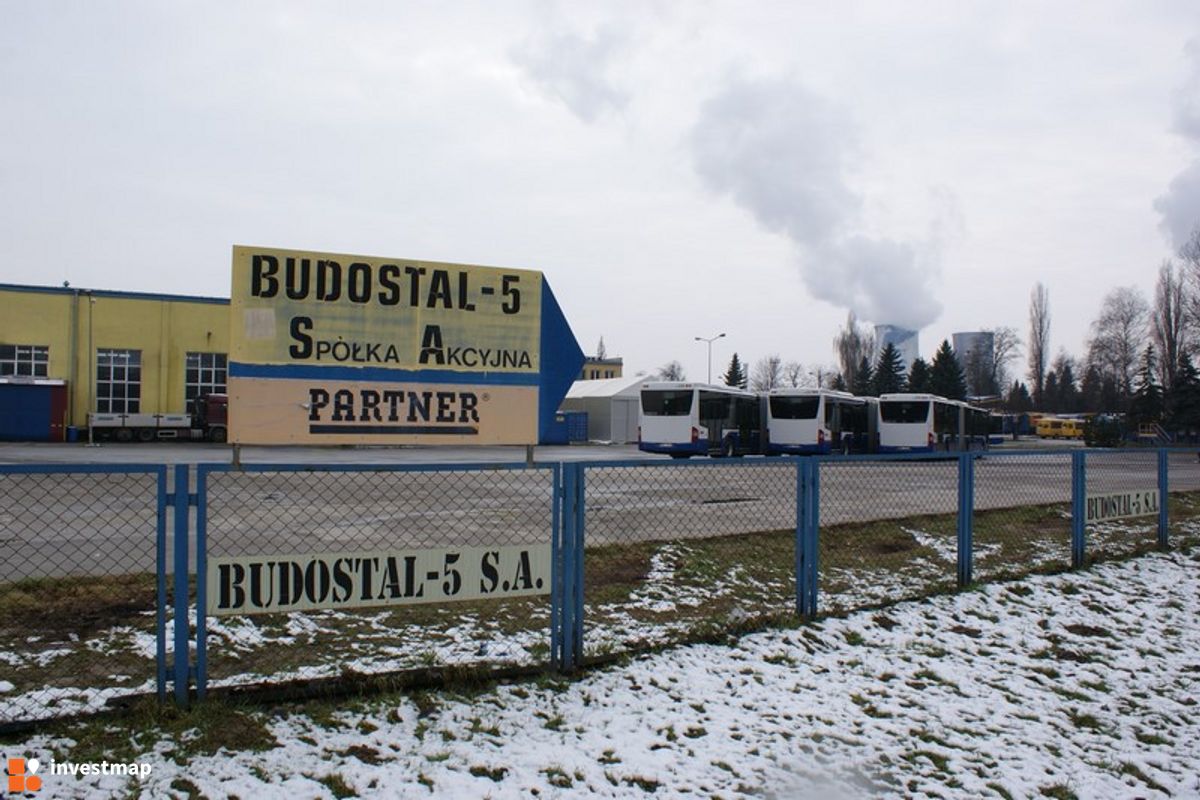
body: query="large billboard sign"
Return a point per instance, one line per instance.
(344, 349)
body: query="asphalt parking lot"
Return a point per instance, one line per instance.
(105, 522)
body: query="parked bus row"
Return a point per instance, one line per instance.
(688, 419)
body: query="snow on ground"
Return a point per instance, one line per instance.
(1084, 684)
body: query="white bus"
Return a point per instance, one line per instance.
(690, 419)
(928, 423)
(819, 421)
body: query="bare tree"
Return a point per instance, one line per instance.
(793, 373)
(1005, 345)
(1171, 326)
(821, 376)
(601, 350)
(767, 374)
(671, 371)
(851, 345)
(1118, 335)
(1039, 339)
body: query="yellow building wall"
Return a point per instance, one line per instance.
(74, 324)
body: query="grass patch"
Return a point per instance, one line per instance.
(1128, 768)
(203, 730)
(492, 773)
(1085, 722)
(337, 785)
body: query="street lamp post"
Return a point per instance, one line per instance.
(709, 343)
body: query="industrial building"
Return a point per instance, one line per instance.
(65, 352)
(974, 351)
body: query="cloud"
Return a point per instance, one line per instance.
(783, 153)
(1180, 206)
(1187, 98)
(572, 69)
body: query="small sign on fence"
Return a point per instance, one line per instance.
(1119, 505)
(263, 584)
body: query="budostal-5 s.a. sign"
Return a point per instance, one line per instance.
(332, 348)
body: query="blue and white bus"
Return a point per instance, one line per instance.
(819, 421)
(695, 419)
(928, 423)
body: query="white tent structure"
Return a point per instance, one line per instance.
(611, 405)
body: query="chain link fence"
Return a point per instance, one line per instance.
(1117, 472)
(285, 515)
(78, 587)
(1183, 503)
(671, 553)
(680, 552)
(1022, 517)
(888, 530)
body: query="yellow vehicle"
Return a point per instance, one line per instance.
(1058, 428)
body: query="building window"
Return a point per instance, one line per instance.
(206, 373)
(24, 361)
(118, 381)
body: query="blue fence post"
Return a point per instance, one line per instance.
(814, 535)
(182, 654)
(966, 519)
(556, 572)
(566, 661)
(1163, 486)
(580, 524)
(160, 658)
(201, 582)
(1078, 508)
(808, 511)
(801, 549)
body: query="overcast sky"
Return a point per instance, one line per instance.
(677, 169)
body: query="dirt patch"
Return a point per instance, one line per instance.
(61, 607)
(899, 542)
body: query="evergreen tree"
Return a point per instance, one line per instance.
(1019, 401)
(736, 374)
(1068, 393)
(1184, 402)
(918, 376)
(1091, 392)
(864, 379)
(1147, 403)
(1050, 393)
(889, 372)
(945, 375)
(1110, 396)
(839, 384)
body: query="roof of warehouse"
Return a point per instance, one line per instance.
(187, 298)
(607, 387)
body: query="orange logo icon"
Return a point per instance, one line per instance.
(21, 777)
